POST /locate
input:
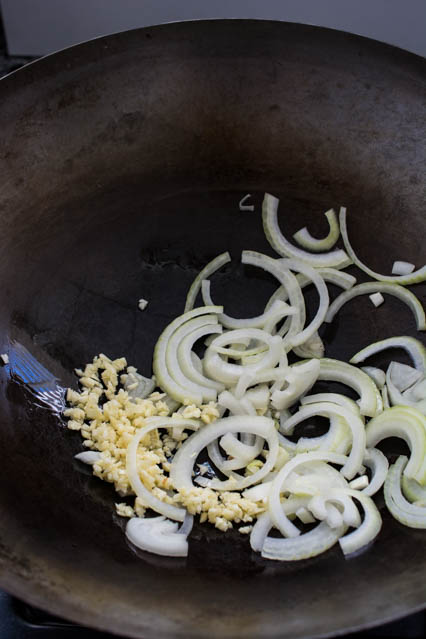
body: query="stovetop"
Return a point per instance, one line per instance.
(21, 621)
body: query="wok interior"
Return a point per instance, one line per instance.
(124, 162)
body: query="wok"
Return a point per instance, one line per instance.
(122, 163)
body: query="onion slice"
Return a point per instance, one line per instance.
(402, 268)
(333, 370)
(412, 346)
(311, 544)
(367, 531)
(278, 269)
(278, 517)
(282, 246)
(400, 292)
(305, 239)
(152, 423)
(204, 274)
(184, 460)
(159, 365)
(408, 424)
(379, 466)
(406, 513)
(269, 318)
(411, 278)
(325, 409)
(157, 535)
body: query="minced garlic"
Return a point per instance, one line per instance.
(109, 427)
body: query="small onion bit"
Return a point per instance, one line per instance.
(245, 207)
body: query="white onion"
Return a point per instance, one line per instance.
(311, 544)
(278, 517)
(412, 278)
(283, 247)
(412, 346)
(157, 535)
(89, 457)
(305, 239)
(409, 425)
(367, 531)
(279, 268)
(408, 514)
(204, 274)
(396, 290)
(402, 268)
(379, 466)
(152, 423)
(184, 460)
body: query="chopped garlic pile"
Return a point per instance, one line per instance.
(108, 418)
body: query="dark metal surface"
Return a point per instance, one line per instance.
(121, 168)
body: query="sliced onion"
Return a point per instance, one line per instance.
(377, 375)
(137, 385)
(278, 517)
(385, 398)
(234, 405)
(412, 278)
(367, 531)
(399, 399)
(338, 439)
(305, 239)
(400, 292)
(413, 490)
(335, 398)
(319, 507)
(183, 461)
(402, 268)
(332, 370)
(267, 320)
(173, 361)
(412, 346)
(377, 299)
(311, 544)
(314, 479)
(305, 516)
(409, 425)
(245, 207)
(278, 270)
(359, 483)
(282, 246)
(331, 275)
(145, 495)
(405, 512)
(404, 376)
(325, 409)
(159, 365)
(313, 347)
(228, 373)
(89, 457)
(300, 379)
(193, 368)
(204, 274)
(379, 466)
(157, 535)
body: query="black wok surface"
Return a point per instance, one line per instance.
(122, 164)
